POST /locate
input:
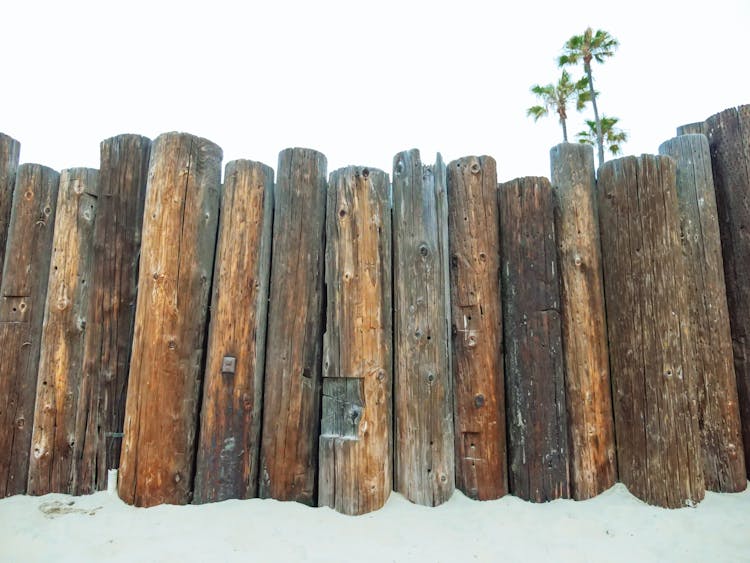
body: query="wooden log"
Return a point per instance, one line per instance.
(718, 409)
(728, 135)
(22, 297)
(294, 344)
(477, 328)
(57, 438)
(113, 287)
(177, 252)
(534, 368)
(356, 425)
(229, 445)
(10, 150)
(698, 128)
(652, 361)
(584, 325)
(423, 391)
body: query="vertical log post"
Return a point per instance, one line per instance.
(423, 390)
(355, 443)
(650, 344)
(10, 150)
(534, 369)
(58, 435)
(477, 328)
(728, 135)
(584, 325)
(229, 446)
(22, 297)
(179, 238)
(291, 403)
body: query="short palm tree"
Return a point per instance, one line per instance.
(613, 136)
(557, 97)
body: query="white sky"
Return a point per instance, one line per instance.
(357, 81)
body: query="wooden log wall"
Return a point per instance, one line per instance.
(356, 458)
(10, 150)
(718, 410)
(534, 369)
(653, 370)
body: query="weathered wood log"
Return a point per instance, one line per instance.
(113, 287)
(584, 326)
(22, 297)
(10, 150)
(718, 410)
(179, 238)
(728, 135)
(423, 391)
(294, 344)
(58, 432)
(534, 369)
(477, 328)
(698, 128)
(229, 444)
(652, 361)
(356, 467)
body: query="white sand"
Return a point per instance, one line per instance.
(612, 527)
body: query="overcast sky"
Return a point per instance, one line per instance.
(358, 81)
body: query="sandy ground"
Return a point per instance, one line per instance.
(615, 526)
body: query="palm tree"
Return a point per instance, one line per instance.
(613, 136)
(590, 46)
(556, 97)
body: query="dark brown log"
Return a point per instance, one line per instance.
(112, 297)
(652, 361)
(718, 410)
(477, 328)
(534, 369)
(179, 239)
(10, 150)
(728, 135)
(698, 128)
(355, 444)
(423, 390)
(57, 438)
(291, 404)
(22, 297)
(584, 326)
(229, 446)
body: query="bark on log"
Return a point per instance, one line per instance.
(22, 297)
(653, 369)
(477, 328)
(291, 403)
(728, 135)
(423, 390)
(229, 446)
(355, 444)
(179, 238)
(698, 128)
(534, 369)
(58, 435)
(10, 150)
(584, 325)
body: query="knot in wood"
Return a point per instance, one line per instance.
(430, 377)
(28, 195)
(399, 168)
(365, 172)
(47, 210)
(381, 375)
(475, 168)
(20, 422)
(172, 345)
(424, 250)
(482, 257)
(577, 261)
(479, 401)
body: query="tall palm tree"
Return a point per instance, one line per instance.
(556, 97)
(596, 46)
(613, 136)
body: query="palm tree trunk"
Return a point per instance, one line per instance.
(565, 131)
(599, 139)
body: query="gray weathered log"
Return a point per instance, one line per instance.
(10, 150)
(698, 128)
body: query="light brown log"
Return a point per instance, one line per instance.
(229, 446)
(355, 444)
(57, 438)
(179, 238)
(477, 328)
(10, 150)
(593, 462)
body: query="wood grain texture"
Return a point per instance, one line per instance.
(423, 390)
(534, 369)
(294, 342)
(718, 409)
(10, 150)
(728, 135)
(477, 328)
(653, 370)
(698, 128)
(593, 463)
(22, 297)
(356, 467)
(229, 445)
(179, 238)
(57, 438)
